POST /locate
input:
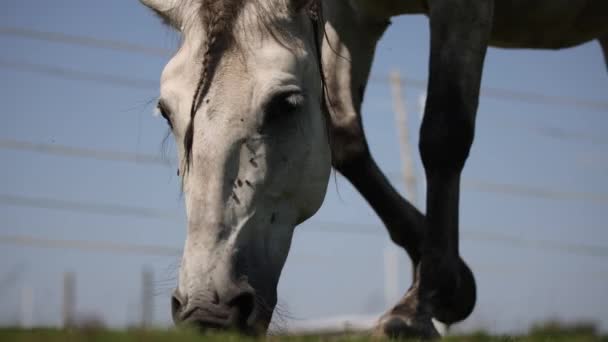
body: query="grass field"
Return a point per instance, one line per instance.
(543, 333)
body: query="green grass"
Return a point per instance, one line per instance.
(538, 334)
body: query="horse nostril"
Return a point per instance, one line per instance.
(244, 304)
(177, 304)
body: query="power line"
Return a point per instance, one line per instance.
(117, 45)
(320, 226)
(557, 246)
(105, 209)
(99, 78)
(473, 235)
(107, 246)
(162, 250)
(557, 133)
(77, 75)
(136, 249)
(514, 95)
(538, 98)
(521, 190)
(86, 41)
(529, 191)
(84, 245)
(150, 159)
(82, 152)
(143, 84)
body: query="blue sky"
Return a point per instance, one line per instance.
(525, 249)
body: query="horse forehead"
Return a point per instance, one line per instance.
(274, 56)
(263, 60)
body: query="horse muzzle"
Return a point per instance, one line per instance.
(238, 313)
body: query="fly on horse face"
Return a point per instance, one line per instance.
(264, 96)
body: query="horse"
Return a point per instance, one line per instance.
(264, 96)
(443, 285)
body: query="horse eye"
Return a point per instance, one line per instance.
(164, 112)
(282, 105)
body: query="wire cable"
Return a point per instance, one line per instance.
(85, 41)
(117, 45)
(77, 75)
(150, 159)
(317, 225)
(82, 152)
(83, 245)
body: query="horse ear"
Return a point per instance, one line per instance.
(168, 10)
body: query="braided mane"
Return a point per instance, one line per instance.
(218, 17)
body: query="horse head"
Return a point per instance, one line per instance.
(244, 99)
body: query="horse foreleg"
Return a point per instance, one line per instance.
(459, 34)
(347, 56)
(405, 223)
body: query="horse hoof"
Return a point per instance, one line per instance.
(398, 327)
(457, 303)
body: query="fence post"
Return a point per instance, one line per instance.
(27, 308)
(69, 299)
(147, 298)
(401, 121)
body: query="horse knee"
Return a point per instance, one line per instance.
(445, 139)
(348, 144)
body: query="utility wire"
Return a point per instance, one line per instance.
(513, 95)
(521, 190)
(110, 247)
(548, 245)
(82, 152)
(116, 45)
(86, 41)
(529, 191)
(105, 209)
(557, 133)
(150, 85)
(150, 159)
(100, 78)
(472, 235)
(317, 225)
(77, 75)
(85, 245)
(163, 250)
